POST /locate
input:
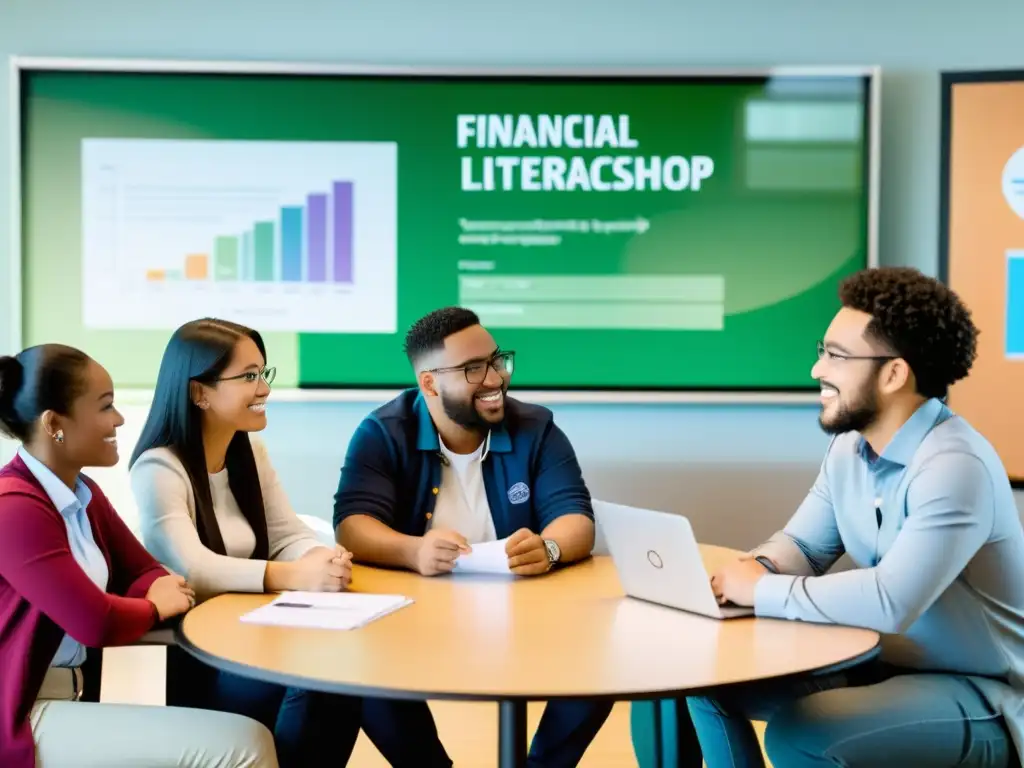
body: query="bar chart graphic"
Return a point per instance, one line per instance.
(284, 236)
(1015, 304)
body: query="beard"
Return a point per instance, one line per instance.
(855, 417)
(465, 414)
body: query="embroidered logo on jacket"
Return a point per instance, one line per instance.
(519, 493)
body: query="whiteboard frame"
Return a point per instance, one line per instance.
(23, 64)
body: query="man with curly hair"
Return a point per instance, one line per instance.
(921, 504)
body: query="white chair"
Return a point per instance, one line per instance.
(320, 527)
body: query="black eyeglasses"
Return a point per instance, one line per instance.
(825, 352)
(476, 371)
(251, 377)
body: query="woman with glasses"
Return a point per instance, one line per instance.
(212, 509)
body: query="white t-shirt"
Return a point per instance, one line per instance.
(462, 499)
(239, 538)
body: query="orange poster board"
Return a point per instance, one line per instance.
(982, 247)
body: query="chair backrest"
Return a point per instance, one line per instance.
(320, 527)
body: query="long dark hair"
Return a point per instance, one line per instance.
(200, 351)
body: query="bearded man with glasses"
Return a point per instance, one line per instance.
(921, 503)
(456, 462)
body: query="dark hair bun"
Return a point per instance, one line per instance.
(11, 376)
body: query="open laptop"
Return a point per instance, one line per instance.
(658, 560)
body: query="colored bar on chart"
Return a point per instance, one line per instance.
(343, 231)
(225, 258)
(172, 274)
(197, 266)
(316, 213)
(1015, 304)
(291, 243)
(155, 275)
(245, 260)
(263, 251)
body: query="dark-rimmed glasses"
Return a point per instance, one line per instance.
(251, 377)
(824, 352)
(476, 370)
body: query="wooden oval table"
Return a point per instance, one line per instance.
(569, 634)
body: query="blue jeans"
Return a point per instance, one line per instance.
(869, 717)
(310, 728)
(404, 733)
(565, 731)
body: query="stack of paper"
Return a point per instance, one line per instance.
(325, 610)
(488, 557)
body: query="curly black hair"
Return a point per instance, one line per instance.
(429, 332)
(918, 318)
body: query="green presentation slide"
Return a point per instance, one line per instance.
(618, 233)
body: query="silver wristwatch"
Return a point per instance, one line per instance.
(554, 552)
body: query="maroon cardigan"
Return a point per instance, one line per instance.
(45, 594)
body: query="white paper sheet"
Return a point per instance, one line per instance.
(488, 557)
(325, 610)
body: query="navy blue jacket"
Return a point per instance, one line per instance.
(392, 469)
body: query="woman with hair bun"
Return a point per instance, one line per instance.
(73, 576)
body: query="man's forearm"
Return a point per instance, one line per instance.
(574, 535)
(792, 558)
(371, 541)
(785, 554)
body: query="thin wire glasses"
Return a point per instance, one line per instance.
(251, 377)
(824, 352)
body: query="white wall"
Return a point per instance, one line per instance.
(912, 41)
(738, 470)
(731, 471)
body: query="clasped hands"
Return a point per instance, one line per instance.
(438, 550)
(736, 582)
(171, 595)
(321, 569)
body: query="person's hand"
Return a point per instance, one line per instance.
(343, 559)
(437, 551)
(322, 569)
(171, 595)
(735, 582)
(527, 555)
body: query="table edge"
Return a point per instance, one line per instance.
(368, 691)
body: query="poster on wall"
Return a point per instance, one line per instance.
(982, 247)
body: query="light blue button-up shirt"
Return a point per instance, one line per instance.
(72, 507)
(934, 531)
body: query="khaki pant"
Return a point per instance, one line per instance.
(74, 734)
